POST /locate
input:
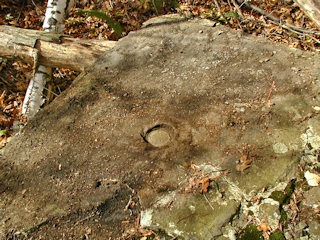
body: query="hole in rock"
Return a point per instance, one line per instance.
(159, 135)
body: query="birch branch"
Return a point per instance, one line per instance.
(54, 22)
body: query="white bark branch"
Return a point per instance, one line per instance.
(54, 22)
(35, 89)
(56, 14)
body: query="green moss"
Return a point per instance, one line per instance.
(278, 196)
(298, 184)
(277, 235)
(231, 14)
(290, 187)
(284, 197)
(251, 213)
(284, 216)
(250, 233)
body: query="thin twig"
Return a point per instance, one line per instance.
(244, 2)
(155, 7)
(86, 218)
(229, 4)
(284, 24)
(237, 7)
(272, 87)
(208, 201)
(59, 89)
(111, 4)
(37, 6)
(297, 32)
(21, 11)
(128, 204)
(220, 12)
(130, 188)
(51, 91)
(245, 226)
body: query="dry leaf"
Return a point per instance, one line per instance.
(241, 167)
(312, 179)
(264, 227)
(316, 108)
(205, 184)
(194, 167)
(244, 158)
(244, 163)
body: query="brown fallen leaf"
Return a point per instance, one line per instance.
(241, 167)
(205, 184)
(244, 163)
(243, 158)
(264, 227)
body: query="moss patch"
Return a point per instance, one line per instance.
(283, 197)
(283, 214)
(251, 232)
(277, 235)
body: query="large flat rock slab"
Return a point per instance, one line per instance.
(169, 109)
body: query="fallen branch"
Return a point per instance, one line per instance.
(234, 2)
(54, 50)
(281, 23)
(296, 32)
(311, 8)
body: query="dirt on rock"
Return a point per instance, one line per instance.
(172, 102)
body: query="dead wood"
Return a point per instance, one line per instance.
(281, 23)
(311, 8)
(52, 50)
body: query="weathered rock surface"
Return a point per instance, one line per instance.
(167, 104)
